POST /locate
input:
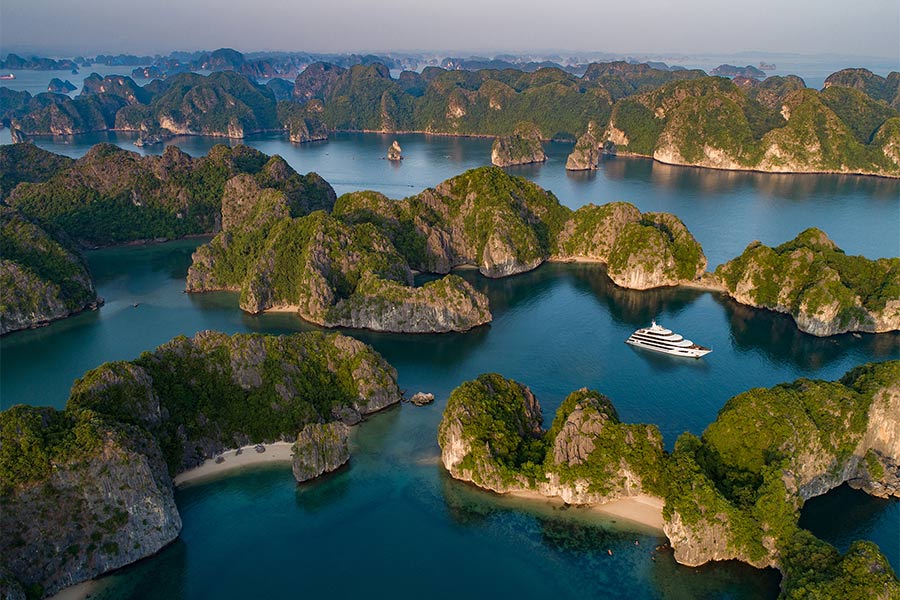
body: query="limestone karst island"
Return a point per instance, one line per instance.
(566, 300)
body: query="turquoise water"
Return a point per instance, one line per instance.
(725, 210)
(393, 523)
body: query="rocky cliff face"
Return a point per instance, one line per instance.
(641, 251)
(825, 433)
(587, 456)
(523, 147)
(440, 306)
(319, 449)
(41, 280)
(735, 494)
(346, 274)
(88, 489)
(485, 217)
(777, 125)
(395, 152)
(303, 123)
(93, 514)
(112, 196)
(594, 458)
(586, 154)
(810, 278)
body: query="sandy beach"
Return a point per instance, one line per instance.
(278, 452)
(646, 510)
(643, 510)
(79, 591)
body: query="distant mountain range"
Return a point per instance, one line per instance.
(677, 116)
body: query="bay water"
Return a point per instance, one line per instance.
(393, 523)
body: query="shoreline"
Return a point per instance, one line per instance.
(276, 452)
(79, 591)
(642, 509)
(285, 132)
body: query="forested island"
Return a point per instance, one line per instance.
(733, 493)
(89, 489)
(285, 242)
(682, 117)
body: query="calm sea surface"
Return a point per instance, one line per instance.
(392, 523)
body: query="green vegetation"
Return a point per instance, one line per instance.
(336, 272)
(490, 202)
(501, 425)
(682, 117)
(775, 125)
(27, 162)
(36, 438)
(41, 278)
(612, 444)
(811, 278)
(112, 196)
(498, 421)
(641, 250)
(194, 395)
(886, 89)
(735, 492)
(523, 146)
(91, 484)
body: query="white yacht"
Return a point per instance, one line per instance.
(664, 340)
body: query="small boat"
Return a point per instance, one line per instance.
(660, 339)
(7, 77)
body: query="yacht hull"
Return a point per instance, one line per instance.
(683, 352)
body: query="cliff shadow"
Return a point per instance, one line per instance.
(844, 515)
(725, 579)
(791, 186)
(162, 576)
(776, 335)
(631, 307)
(324, 491)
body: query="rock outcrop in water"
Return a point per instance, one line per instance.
(783, 127)
(41, 279)
(89, 489)
(395, 152)
(586, 154)
(331, 273)
(641, 251)
(824, 290)
(320, 448)
(735, 493)
(506, 225)
(58, 86)
(678, 117)
(491, 435)
(111, 195)
(485, 217)
(523, 147)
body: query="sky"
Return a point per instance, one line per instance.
(836, 27)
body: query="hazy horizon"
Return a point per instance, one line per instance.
(869, 28)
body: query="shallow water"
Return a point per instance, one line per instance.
(393, 523)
